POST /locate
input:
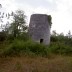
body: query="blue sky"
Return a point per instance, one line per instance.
(60, 10)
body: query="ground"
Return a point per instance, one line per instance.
(56, 63)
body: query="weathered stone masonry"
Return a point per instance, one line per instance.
(39, 28)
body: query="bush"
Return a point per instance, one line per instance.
(30, 48)
(20, 47)
(60, 48)
(2, 36)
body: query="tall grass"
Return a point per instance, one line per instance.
(20, 47)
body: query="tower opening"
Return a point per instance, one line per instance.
(41, 40)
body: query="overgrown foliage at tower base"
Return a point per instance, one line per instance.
(20, 47)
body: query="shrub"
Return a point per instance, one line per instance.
(19, 46)
(2, 36)
(60, 48)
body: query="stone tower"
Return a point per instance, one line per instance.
(39, 28)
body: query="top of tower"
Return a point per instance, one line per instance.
(34, 16)
(39, 15)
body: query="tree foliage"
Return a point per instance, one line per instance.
(50, 20)
(18, 25)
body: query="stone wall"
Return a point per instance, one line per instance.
(39, 28)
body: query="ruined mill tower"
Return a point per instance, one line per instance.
(39, 28)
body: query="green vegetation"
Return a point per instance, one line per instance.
(15, 41)
(61, 45)
(20, 47)
(50, 20)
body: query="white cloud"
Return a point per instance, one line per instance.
(62, 17)
(41, 10)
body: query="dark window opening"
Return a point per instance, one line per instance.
(41, 40)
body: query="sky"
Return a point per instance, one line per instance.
(60, 10)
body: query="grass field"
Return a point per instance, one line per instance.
(56, 63)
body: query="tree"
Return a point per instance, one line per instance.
(50, 20)
(4, 17)
(69, 34)
(2, 36)
(54, 33)
(18, 25)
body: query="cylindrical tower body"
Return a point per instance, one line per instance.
(39, 28)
